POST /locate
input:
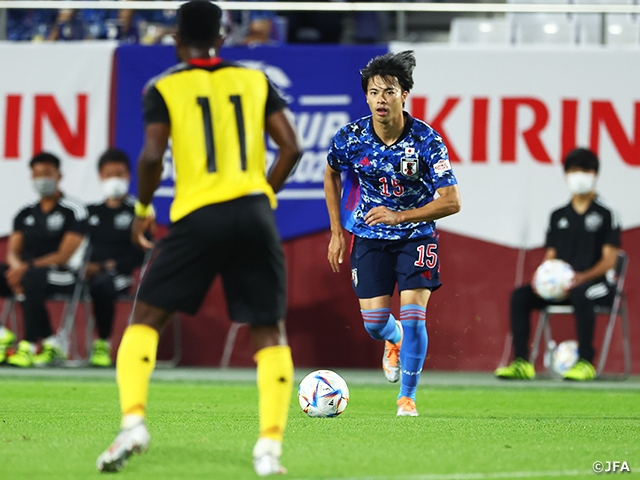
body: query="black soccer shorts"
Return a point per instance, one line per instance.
(236, 239)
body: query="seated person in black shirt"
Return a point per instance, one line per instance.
(586, 234)
(113, 255)
(46, 248)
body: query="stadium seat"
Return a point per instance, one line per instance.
(65, 332)
(551, 29)
(617, 311)
(622, 30)
(590, 25)
(480, 31)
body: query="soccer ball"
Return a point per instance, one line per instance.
(565, 356)
(323, 393)
(552, 280)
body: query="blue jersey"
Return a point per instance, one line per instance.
(402, 176)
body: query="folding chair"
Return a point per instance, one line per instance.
(617, 310)
(133, 298)
(65, 334)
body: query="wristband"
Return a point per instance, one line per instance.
(143, 211)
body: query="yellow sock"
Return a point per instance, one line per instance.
(275, 380)
(135, 363)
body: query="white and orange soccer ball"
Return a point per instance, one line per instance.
(553, 279)
(323, 393)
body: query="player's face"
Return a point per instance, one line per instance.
(45, 170)
(385, 98)
(114, 170)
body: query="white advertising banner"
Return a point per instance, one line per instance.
(53, 97)
(508, 116)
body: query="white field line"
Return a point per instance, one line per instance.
(476, 476)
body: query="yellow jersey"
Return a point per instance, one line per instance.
(216, 111)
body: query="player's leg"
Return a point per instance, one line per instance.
(178, 279)
(585, 298)
(103, 295)
(413, 311)
(255, 286)
(36, 321)
(418, 268)
(373, 279)
(523, 302)
(7, 337)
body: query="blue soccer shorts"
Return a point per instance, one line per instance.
(377, 265)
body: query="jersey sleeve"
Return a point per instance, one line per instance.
(440, 166)
(77, 221)
(154, 108)
(337, 157)
(18, 221)
(612, 236)
(275, 103)
(552, 233)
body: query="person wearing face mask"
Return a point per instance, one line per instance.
(113, 254)
(46, 248)
(586, 234)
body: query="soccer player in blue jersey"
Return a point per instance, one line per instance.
(405, 184)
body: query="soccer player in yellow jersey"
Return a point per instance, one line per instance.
(216, 114)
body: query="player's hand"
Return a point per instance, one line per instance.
(93, 269)
(337, 247)
(14, 276)
(578, 279)
(139, 227)
(382, 215)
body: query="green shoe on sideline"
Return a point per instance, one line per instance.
(582, 371)
(23, 356)
(51, 354)
(7, 337)
(101, 354)
(519, 369)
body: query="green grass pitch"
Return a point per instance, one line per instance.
(55, 427)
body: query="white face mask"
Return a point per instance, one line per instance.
(581, 183)
(115, 187)
(45, 186)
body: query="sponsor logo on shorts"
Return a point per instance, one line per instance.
(354, 276)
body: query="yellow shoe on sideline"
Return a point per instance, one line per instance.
(582, 371)
(519, 369)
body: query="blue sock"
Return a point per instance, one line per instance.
(381, 325)
(414, 348)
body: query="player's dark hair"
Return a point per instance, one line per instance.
(398, 65)
(45, 157)
(114, 155)
(583, 159)
(199, 23)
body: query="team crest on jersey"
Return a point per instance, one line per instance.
(122, 221)
(593, 221)
(55, 222)
(409, 163)
(354, 276)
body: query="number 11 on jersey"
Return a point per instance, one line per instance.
(204, 104)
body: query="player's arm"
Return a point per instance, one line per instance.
(332, 191)
(549, 254)
(156, 139)
(17, 267)
(280, 127)
(446, 204)
(607, 261)
(68, 245)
